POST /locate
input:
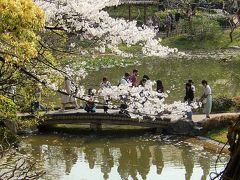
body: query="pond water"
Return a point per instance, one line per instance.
(222, 74)
(96, 157)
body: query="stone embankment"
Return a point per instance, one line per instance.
(216, 121)
(200, 125)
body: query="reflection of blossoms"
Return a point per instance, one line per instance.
(89, 18)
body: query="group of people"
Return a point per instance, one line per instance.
(206, 98)
(70, 93)
(90, 106)
(145, 81)
(132, 79)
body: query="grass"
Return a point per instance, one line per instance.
(137, 48)
(222, 41)
(219, 135)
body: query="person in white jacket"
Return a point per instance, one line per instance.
(206, 98)
(68, 99)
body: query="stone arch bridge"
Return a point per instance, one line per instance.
(178, 125)
(97, 119)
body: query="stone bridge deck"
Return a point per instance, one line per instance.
(112, 117)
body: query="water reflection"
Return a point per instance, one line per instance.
(187, 157)
(124, 158)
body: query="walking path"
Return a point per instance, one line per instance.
(200, 117)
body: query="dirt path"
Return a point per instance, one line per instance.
(200, 117)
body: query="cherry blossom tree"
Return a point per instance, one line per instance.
(87, 20)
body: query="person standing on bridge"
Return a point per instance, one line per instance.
(90, 105)
(36, 105)
(148, 84)
(124, 80)
(105, 84)
(68, 99)
(192, 85)
(206, 98)
(133, 77)
(189, 96)
(160, 89)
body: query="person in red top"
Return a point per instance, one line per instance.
(133, 77)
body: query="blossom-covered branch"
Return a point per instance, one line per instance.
(88, 19)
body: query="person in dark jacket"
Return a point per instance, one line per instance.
(160, 88)
(189, 96)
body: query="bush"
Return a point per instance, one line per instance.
(223, 21)
(222, 104)
(200, 28)
(8, 109)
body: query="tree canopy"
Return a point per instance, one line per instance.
(20, 22)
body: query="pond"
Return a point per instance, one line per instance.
(144, 156)
(99, 156)
(222, 74)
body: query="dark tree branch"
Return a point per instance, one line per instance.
(58, 50)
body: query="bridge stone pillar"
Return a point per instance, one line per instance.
(96, 126)
(158, 130)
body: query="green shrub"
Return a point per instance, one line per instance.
(8, 108)
(223, 21)
(200, 28)
(222, 104)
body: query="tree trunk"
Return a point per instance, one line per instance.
(233, 27)
(232, 170)
(145, 14)
(129, 12)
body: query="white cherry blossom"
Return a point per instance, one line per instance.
(88, 18)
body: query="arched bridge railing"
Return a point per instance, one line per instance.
(102, 118)
(114, 118)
